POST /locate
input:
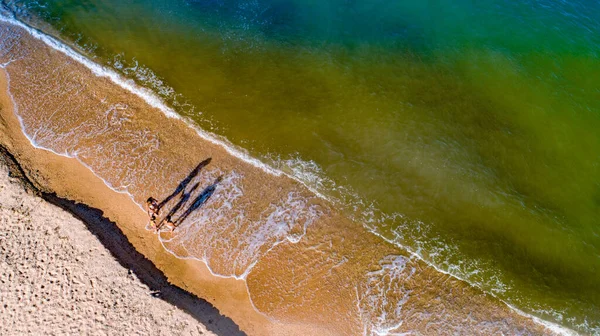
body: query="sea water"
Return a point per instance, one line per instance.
(464, 133)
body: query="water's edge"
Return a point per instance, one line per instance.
(152, 99)
(115, 241)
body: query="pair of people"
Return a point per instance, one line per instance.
(153, 209)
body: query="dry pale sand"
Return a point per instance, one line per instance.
(56, 277)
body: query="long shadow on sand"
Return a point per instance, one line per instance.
(185, 196)
(199, 201)
(116, 242)
(181, 187)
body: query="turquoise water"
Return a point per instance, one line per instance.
(466, 132)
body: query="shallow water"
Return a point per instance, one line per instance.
(464, 132)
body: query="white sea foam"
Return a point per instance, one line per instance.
(147, 95)
(287, 221)
(377, 221)
(221, 234)
(307, 173)
(554, 327)
(381, 298)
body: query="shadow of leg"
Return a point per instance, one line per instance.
(199, 201)
(181, 187)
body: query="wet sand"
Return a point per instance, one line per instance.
(69, 179)
(336, 278)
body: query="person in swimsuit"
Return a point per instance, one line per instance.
(153, 210)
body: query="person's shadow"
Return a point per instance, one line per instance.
(181, 187)
(199, 201)
(119, 246)
(184, 198)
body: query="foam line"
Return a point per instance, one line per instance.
(147, 95)
(153, 100)
(556, 328)
(65, 154)
(213, 273)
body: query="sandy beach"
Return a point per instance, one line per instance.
(57, 277)
(322, 284)
(68, 178)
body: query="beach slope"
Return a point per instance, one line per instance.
(56, 276)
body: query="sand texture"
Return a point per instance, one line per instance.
(56, 277)
(336, 280)
(77, 185)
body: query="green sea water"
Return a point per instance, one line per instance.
(466, 131)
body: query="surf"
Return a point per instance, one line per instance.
(301, 174)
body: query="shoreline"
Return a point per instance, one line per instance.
(69, 179)
(84, 222)
(93, 191)
(153, 100)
